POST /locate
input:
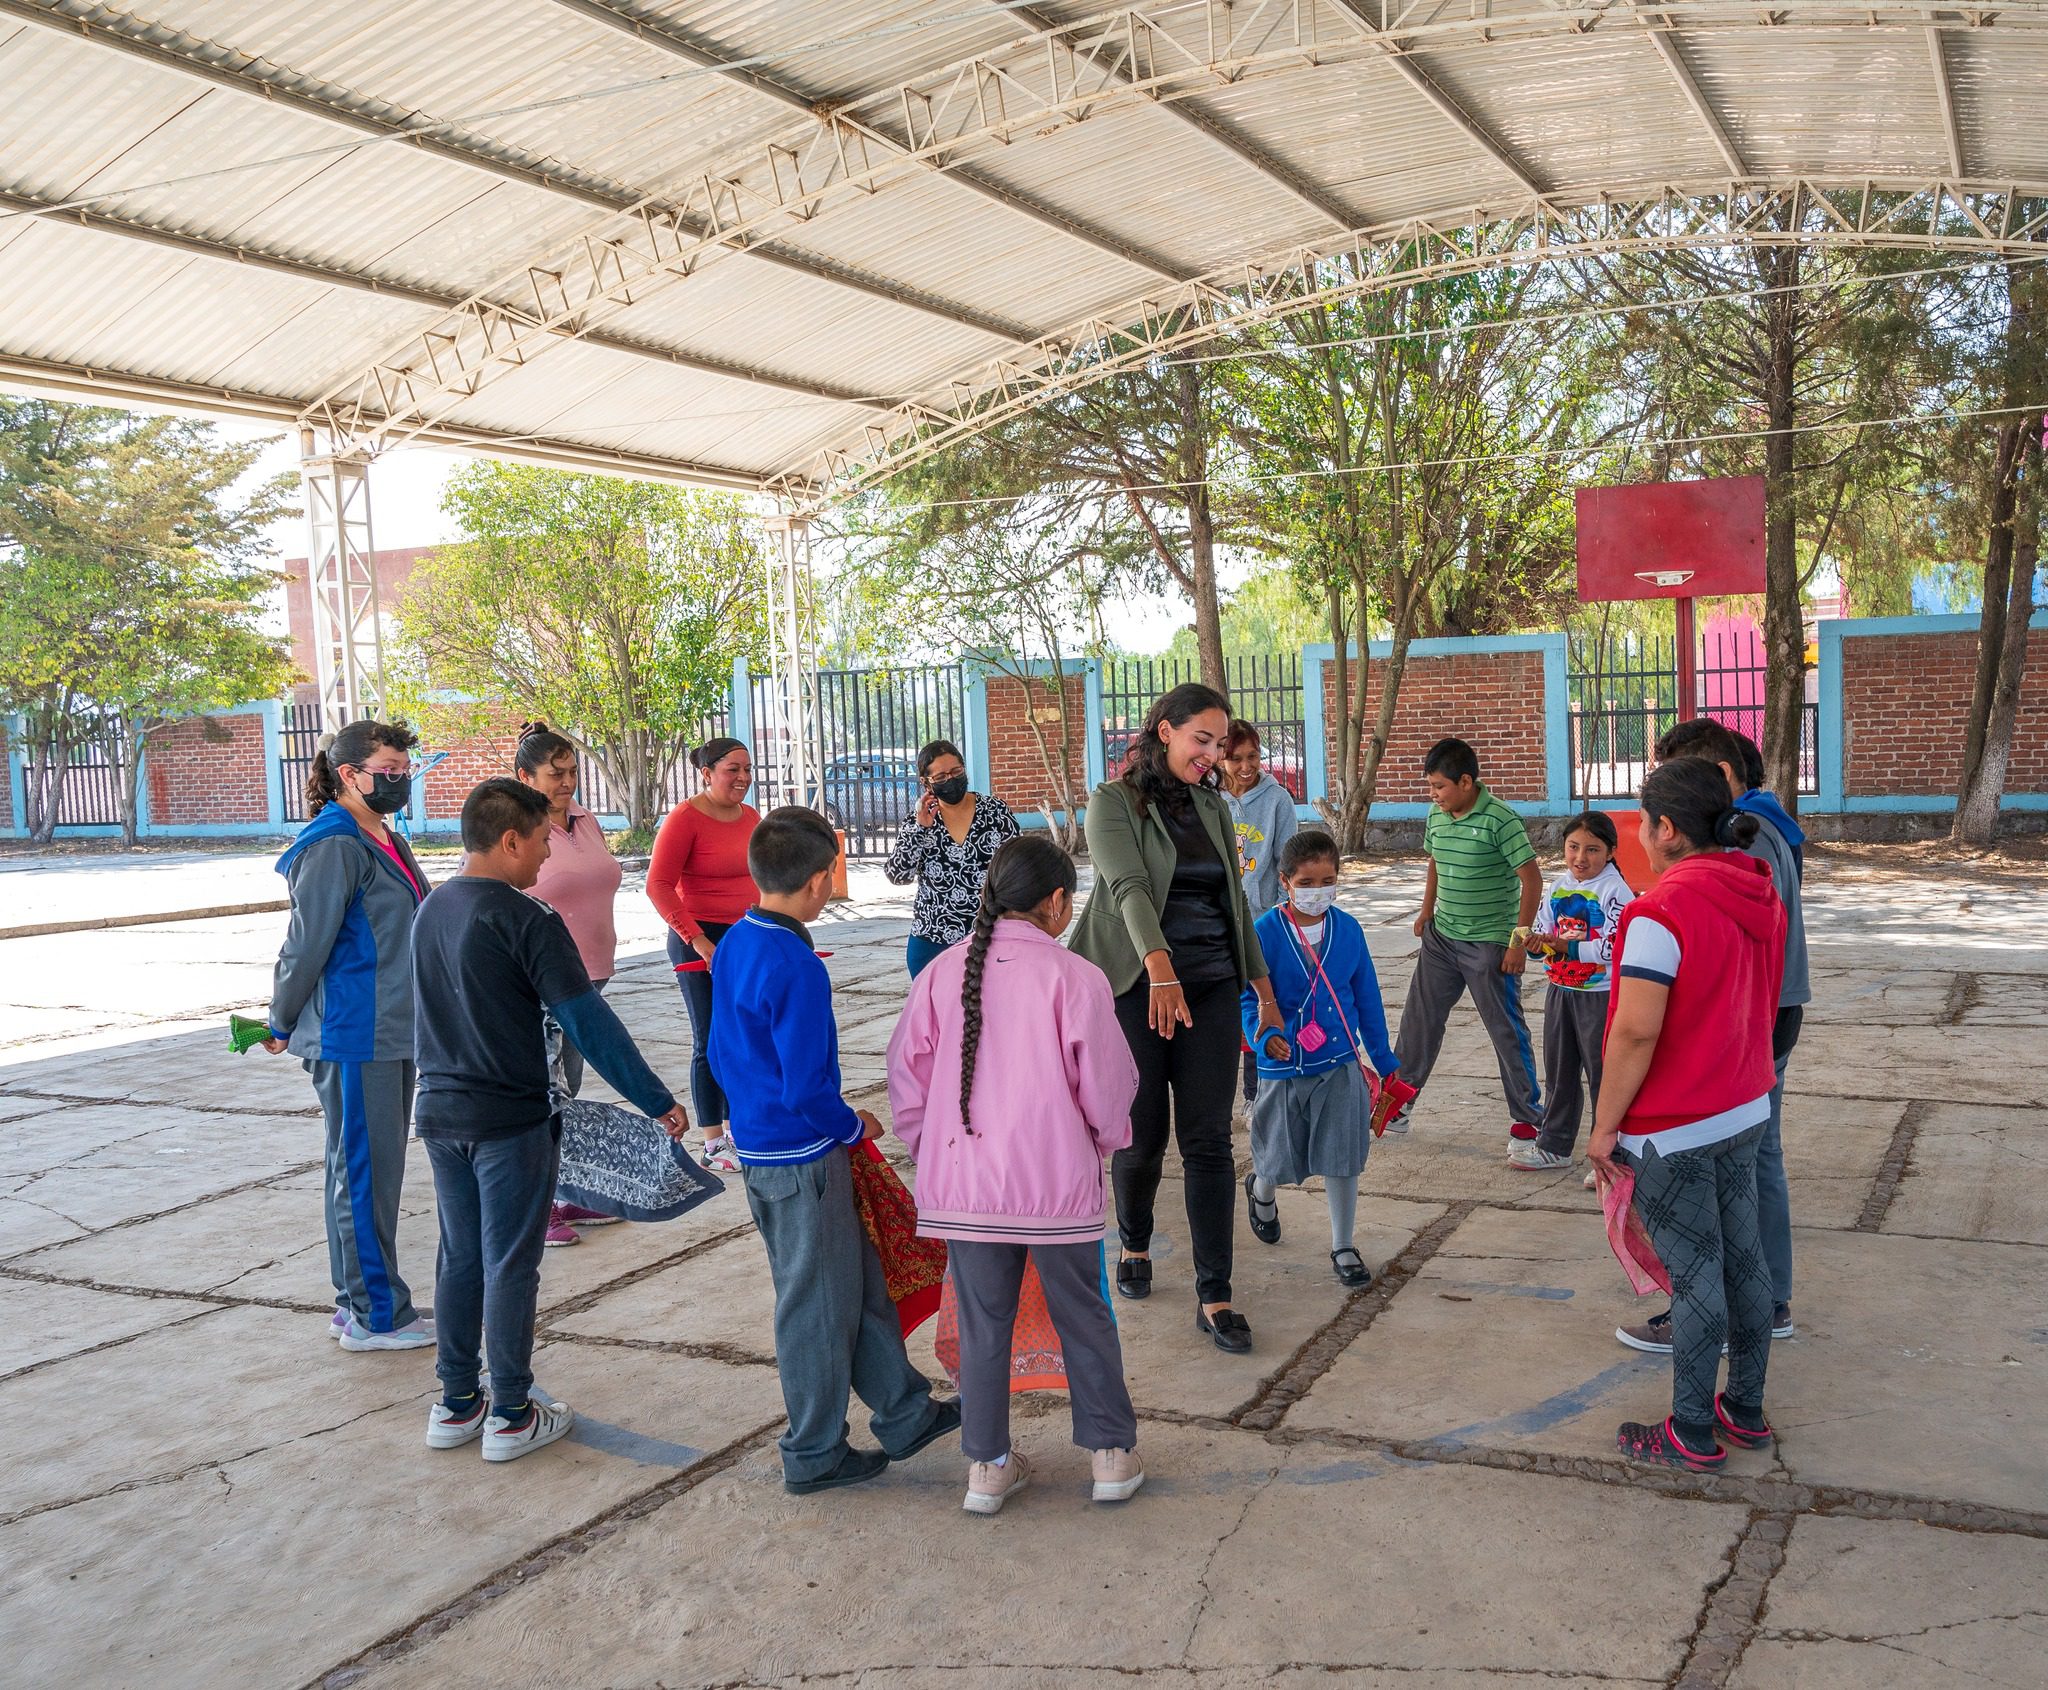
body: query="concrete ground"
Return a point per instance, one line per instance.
(1414, 1485)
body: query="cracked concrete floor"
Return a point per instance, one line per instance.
(1414, 1485)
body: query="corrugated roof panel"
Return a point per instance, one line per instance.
(2001, 89)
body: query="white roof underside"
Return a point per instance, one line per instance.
(203, 205)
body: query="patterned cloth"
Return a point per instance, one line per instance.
(618, 1162)
(912, 1267)
(949, 874)
(1037, 1363)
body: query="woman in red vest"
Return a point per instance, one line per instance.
(1684, 1098)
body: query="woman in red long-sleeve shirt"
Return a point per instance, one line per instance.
(699, 884)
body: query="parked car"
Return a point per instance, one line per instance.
(871, 792)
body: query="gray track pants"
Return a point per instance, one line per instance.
(1574, 1030)
(1445, 969)
(369, 1108)
(986, 1278)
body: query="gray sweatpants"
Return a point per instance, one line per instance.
(986, 1278)
(1700, 1208)
(1445, 969)
(369, 1108)
(835, 1328)
(1574, 1030)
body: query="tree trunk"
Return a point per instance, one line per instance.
(1338, 774)
(127, 737)
(1971, 825)
(1194, 462)
(1977, 805)
(1358, 802)
(1784, 624)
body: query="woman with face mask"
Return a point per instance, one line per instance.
(946, 847)
(342, 1003)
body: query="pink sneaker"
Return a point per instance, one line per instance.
(568, 1214)
(559, 1234)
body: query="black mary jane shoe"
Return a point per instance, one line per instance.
(1230, 1329)
(1134, 1276)
(1266, 1231)
(1349, 1267)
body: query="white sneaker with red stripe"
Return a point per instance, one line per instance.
(447, 1429)
(543, 1423)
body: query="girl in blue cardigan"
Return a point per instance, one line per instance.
(1311, 1113)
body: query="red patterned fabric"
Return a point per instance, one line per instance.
(1037, 1363)
(1629, 1239)
(912, 1267)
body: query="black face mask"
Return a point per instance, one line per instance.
(951, 791)
(388, 793)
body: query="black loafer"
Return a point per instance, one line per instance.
(1230, 1329)
(1266, 1232)
(855, 1467)
(1134, 1276)
(945, 1418)
(1349, 1267)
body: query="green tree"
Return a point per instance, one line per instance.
(132, 586)
(612, 608)
(1268, 613)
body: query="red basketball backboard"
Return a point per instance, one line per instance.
(1671, 540)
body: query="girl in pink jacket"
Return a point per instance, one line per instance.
(1011, 1082)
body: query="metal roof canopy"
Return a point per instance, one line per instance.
(791, 248)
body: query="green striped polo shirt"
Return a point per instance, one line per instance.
(1478, 893)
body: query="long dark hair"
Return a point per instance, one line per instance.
(539, 745)
(1024, 872)
(1692, 794)
(1145, 768)
(348, 748)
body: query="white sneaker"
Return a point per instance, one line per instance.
(1398, 1121)
(1118, 1474)
(447, 1430)
(547, 1422)
(719, 1156)
(416, 1334)
(1533, 1158)
(1592, 1180)
(990, 1486)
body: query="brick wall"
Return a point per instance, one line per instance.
(1493, 700)
(468, 761)
(1905, 699)
(1016, 769)
(197, 778)
(6, 779)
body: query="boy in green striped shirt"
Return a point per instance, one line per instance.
(1483, 889)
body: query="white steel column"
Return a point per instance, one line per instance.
(792, 664)
(341, 581)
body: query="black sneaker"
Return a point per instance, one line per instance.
(945, 1418)
(1781, 1320)
(855, 1467)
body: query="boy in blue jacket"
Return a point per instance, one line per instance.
(1312, 1112)
(775, 1052)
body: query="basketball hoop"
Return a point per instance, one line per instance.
(1664, 577)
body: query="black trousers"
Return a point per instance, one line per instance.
(1186, 1083)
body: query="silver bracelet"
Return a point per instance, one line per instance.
(1161, 985)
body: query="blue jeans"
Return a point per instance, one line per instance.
(707, 1099)
(919, 954)
(492, 1196)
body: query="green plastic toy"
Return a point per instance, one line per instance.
(245, 1032)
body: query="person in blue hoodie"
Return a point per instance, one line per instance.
(1313, 1109)
(341, 1002)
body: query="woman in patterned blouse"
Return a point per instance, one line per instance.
(946, 848)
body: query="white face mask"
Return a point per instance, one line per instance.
(1311, 902)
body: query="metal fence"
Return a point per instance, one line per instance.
(1265, 690)
(1624, 694)
(90, 795)
(298, 737)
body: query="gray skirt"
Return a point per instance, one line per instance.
(1312, 1124)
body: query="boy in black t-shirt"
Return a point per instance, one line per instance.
(486, 959)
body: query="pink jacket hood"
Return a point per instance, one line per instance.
(1053, 1084)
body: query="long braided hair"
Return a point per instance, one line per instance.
(1023, 874)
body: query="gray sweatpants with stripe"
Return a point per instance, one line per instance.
(369, 1109)
(1445, 969)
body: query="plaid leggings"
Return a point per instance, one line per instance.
(1700, 1207)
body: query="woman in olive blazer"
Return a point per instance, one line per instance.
(1167, 922)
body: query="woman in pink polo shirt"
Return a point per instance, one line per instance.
(1010, 1082)
(578, 881)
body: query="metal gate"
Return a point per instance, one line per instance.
(298, 737)
(91, 793)
(1263, 690)
(871, 725)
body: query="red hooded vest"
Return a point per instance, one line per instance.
(1715, 1050)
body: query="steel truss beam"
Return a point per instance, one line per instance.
(1133, 56)
(341, 583)
(1934, 215)
(1945, 94)
(1664, 37)
(653, 33)
(244, 74)
(354, 281)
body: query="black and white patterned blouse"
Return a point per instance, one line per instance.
(949, 875)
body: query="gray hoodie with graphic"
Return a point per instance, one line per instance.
(1265, 821)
